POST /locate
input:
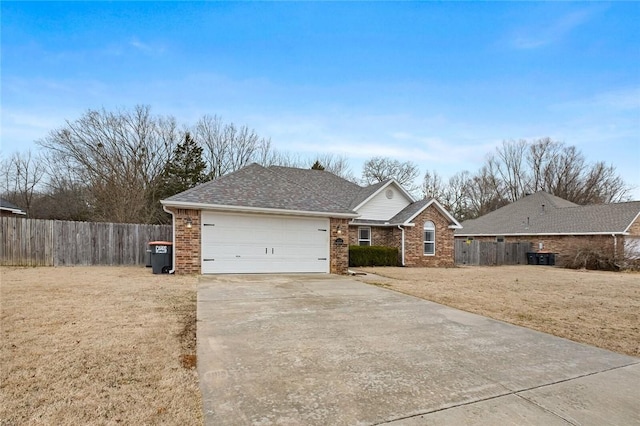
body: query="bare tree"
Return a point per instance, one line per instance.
(509, 165)
(22, 176)
(484, 192)
(118, 155)
(228, 148)
(336, 164)
(433, 186)
(379, 169)
(522, 167)
(563, 171)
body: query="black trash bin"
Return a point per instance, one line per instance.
(161, 256)
(532, 258)
(543, 258)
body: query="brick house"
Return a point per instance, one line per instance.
(287, 220)
(559, 226)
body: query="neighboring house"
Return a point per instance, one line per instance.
(10, 209)
(281, 219)
(559, 226)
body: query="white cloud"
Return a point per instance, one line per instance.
(543, 33)
(146, 47)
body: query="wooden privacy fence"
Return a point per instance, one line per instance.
(490, 253)
(37, 242)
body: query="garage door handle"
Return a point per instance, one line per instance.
(322, 258)
(208, 260)
(271, 251)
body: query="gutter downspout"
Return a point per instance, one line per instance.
(173, 239)
(402, 245)
(615, 249)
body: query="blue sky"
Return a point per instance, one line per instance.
(440, 84)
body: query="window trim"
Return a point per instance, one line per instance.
(360, 240)
(432, 228)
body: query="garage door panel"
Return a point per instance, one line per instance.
(244, 243)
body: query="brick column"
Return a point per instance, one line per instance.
(188, 241)
(339, 252)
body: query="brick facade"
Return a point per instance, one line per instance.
(414, 240)
(339, 251)
(187, 242)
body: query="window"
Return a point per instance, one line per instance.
(364, 236)
(429, 238)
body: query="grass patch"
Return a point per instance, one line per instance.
(593, 307)
(97, 345)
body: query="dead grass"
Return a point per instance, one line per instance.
(597, 308)
(97, 345)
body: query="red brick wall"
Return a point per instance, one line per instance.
(414, 241)
(187, 241)
(339, 252)
(380, 236)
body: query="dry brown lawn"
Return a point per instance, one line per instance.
(97, 345)
(597, 308)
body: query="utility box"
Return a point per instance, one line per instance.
(161, 256)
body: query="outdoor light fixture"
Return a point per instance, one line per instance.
(188, 222)
(338, 230)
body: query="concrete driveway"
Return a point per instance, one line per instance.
(327, 350)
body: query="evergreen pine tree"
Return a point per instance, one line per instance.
(186, 168)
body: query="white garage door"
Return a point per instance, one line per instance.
(245, 243)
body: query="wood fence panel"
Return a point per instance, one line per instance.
(489, 253)
(37, 242)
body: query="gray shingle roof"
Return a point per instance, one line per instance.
(287, 188)
(258, 187)
(527, 217)
(409, 211)
(322, 183)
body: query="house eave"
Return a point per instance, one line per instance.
(381, 225)
(248, 209)
(541, 234)
(13, 211)
(454, 223)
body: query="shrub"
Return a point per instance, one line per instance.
(373, 256)
(590, 258)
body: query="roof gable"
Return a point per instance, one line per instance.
(383, 201)
(413, 210)
(543, 213)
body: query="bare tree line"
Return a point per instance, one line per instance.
(114, 166)
(521, 167)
